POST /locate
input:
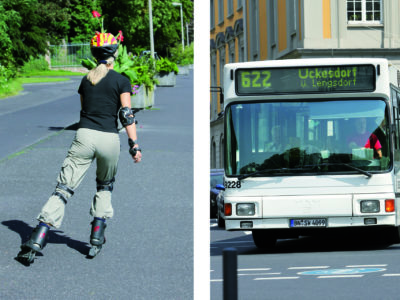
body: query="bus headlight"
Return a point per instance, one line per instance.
(245, 209)
(370, 206)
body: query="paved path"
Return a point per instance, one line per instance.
(149, 249)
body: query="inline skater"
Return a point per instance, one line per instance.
(105, 96)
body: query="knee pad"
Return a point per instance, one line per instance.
(66, 189)
(105, 185)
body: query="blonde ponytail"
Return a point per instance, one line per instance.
(98, 73)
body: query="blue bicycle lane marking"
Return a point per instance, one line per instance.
(342, 271)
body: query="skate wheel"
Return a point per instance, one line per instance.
(26, 257)
(94, 251)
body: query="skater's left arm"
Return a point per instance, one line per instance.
(131, 129)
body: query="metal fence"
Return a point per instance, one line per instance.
(69, 55)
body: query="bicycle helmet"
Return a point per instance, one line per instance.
(103, 46)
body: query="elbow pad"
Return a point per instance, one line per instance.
(126, 116)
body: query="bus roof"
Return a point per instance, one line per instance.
(307, 62)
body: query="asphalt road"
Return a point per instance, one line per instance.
(344, 266)
(146, 256)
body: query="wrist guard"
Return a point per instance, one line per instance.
(133, 151)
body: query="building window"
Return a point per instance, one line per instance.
(364, 11)
(239, 4)
(230, 8)
(213, 154)
(220, 11)
(221, 152)
(254, 30)
(212, 14)
(214, 97)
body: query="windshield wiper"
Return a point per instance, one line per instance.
(244, 176)
(366, 173)
(268, 171)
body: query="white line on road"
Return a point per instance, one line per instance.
(388, 275)
(216, 280)
(255, 269)
(276, 278)
(340, 276)
(365, 266)
(259, 274)
(310, 267)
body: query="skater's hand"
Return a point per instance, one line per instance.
(136, 153)
(138, 157)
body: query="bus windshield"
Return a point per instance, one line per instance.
(306, 138)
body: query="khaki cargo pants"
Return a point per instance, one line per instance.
(87, 145)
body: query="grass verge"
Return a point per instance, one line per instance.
(52, 73)
(14, 87)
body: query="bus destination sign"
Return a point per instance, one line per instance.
(310, 79)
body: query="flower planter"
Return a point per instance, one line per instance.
(183, 70)
(143, 98)
(166, 79)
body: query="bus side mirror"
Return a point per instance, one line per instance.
(220, 187)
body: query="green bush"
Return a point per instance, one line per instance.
(34, 65)
(184, 57)
(8, 85)
(164, 65)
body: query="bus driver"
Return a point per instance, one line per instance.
(364, 139)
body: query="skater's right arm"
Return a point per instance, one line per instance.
(131, 129)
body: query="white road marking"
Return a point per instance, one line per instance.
(259, 274)
(216, 280)
(310, 267)
(339, 276)
(365, 266)
(256, 269)
(389, 275)
(276, 278)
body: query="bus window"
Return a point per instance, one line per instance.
(298, 136)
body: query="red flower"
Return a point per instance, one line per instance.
(96, 14)
(120, 37)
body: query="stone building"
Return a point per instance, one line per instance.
(252, 30)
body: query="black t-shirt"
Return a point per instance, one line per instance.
(101, 102)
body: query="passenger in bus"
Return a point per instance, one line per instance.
(276, 144)
(363, 138)
(380, 132)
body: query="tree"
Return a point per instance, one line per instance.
(31, 24)
(7, 18)
(132, 17)
(82, 25)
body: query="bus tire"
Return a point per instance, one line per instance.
(393, 235)
(264, 239)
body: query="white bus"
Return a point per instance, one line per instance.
(311, 144)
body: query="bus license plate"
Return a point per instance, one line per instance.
(308, 223)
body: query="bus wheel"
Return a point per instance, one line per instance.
(393, 235)
(264, 239)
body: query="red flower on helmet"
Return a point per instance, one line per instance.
(96, 14)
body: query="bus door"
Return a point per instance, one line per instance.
(395, 129)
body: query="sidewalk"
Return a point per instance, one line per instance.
(149, 249)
